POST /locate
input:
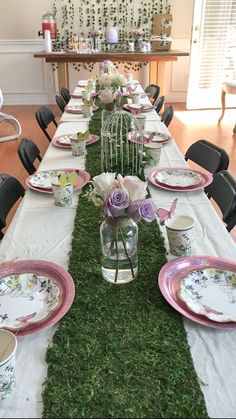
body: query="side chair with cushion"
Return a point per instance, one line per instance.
(60, 102)
(228, 87)
(10, 191)
(167, 115)
(45, 117)
(223, 191)
(208, 155)
(153, 90)
(9, 119)
(65, 94)
(28, 152)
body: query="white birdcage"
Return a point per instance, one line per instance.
(122, 144)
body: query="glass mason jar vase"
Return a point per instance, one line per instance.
(119, 242)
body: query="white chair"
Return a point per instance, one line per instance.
(229, 87)
(12, 121)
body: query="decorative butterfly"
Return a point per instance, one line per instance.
(81, 136)
(164, 214)
(88, 102)
(132, 89)
(150, 137)
(65, 178)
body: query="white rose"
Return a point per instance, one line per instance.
(103, 183)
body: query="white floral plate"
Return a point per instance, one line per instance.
(174, 272)
(33, 294)
(42, 181)
(63, 141)
(179, 179)
(210, 292)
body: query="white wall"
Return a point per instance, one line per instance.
(24, 79)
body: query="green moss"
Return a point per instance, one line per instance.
(121, 351)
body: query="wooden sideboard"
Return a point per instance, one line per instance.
(156, 60)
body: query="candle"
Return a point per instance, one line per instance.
(112, 36)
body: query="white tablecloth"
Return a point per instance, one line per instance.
(40, 230)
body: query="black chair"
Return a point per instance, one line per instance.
(60, 102)
(159, 103)
(208, 155)
(10, 191)
(65, 94)
(167, 115)
(223, 191)
(153, 91)
(28, 153)
(44, 117)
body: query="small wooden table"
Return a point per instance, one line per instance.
(156, 60)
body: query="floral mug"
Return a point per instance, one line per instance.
(8, 345)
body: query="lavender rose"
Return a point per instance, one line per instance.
(116, 202)
(147, 210)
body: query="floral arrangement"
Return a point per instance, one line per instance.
(111, 81)
(108, 96)
(106, 65)
(138, 32)
(123, 197)
(94, 33)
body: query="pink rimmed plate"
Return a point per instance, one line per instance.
(137, 108)
(63, 141)
(78, 109)
(41, 181)
(173, 272)
(34, 294)
(201, 181)
(134, 137)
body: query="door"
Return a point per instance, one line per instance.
(213, 52)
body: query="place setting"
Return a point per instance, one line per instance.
(34, 294)
(42, 181)
(201, 288)
(64, 141)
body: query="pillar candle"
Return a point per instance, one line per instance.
(112, 35)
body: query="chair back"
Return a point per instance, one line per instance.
(28, 152)
(159, 103)
(153, 91)
(10, 191)
(44, 117)
(167, 115)
(208, 155)
(60, 102)
(223, 191)
(65, 94)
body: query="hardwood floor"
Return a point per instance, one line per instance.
(186, 128)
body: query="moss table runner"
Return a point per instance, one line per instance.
(121, 351)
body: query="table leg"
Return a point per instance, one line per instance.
(157, 75)
(63, 75)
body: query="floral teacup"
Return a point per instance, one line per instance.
(179, 232)
(8, 345)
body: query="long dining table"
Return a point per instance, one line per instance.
(41, 230)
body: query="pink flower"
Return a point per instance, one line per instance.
(135, 187)
(107, 96)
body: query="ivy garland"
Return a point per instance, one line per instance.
(81, 16)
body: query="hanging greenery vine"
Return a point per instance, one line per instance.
(81, 16)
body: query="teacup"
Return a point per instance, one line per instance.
(77, 146)
(154, 151)
(87, 111)
(129, 77)
(141, 119)
(62, 194)
(179, 232)
(135, 96)
(8, 345)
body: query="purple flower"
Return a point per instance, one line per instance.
(147, 210)
(116, 202)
